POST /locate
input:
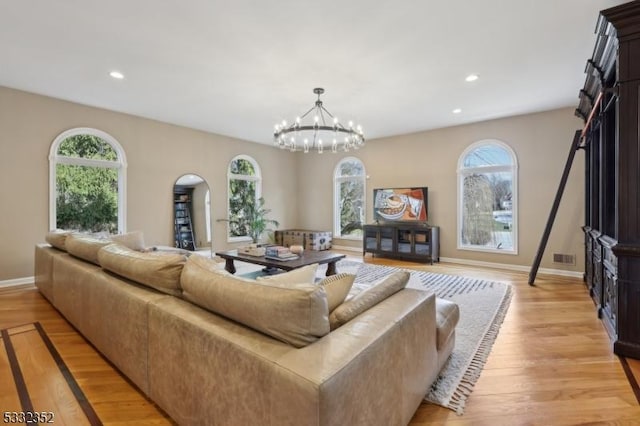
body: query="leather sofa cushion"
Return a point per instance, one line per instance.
(133, 240)
(337, 288)
(208, 263)
(57, 239)
(368, 298)
(85, 247)
(296, 313)
(154, 269)
(447, 317)
(304, 275)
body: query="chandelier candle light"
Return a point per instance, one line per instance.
(318, 134)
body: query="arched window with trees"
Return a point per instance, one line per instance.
(87, 177)
(245, 188)
(349, 180)
(487, 198)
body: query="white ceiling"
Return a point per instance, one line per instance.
(237, 67)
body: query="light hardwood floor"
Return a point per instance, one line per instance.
(552, 363)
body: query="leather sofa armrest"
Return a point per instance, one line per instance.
(375, 369)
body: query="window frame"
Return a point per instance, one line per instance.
(463, 171)
(207, 215)
(120, 165)
(337, 180)
(256, 178)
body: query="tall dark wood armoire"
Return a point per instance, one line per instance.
(609, 105)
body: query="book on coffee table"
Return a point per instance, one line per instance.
(283, 257)
(277, 251)
(252, 251)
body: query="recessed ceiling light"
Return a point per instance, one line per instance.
(457, 111)
(116, 74)
(471, 77)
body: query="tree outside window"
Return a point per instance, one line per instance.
(244, 190)
(87, 171)
(487, 215)
(349, 188)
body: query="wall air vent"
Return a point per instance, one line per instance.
(565, 259)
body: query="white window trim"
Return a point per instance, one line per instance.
(336, 196)
(256, 178)
(207, 214)
(462, 171)
(120, 165)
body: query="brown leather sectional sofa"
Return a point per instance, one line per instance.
(202, 368)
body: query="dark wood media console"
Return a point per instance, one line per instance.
(419, 242)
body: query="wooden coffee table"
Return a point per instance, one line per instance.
(307, 258)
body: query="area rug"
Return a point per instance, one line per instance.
(483, 305)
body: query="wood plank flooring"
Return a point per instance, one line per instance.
(552, 363)
(115, 400)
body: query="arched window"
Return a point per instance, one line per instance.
(349, 201)
(245, 187)
(87, 177)
(487, 198)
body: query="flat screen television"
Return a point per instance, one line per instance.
(401, 204)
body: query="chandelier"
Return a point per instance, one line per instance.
(317, 131)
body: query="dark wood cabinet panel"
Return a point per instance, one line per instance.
(612, 185)
(403, 241)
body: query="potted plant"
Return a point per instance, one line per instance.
(257, 221)
(253, 219)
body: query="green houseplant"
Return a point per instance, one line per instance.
(252, 218)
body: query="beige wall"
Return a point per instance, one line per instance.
(541, 142)
(157, 154)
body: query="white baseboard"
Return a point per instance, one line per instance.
(347, 248)
(520, 268)
(507, 266)
(17, 281)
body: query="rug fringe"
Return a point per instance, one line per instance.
(472, 374)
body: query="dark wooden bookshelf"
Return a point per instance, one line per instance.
(183, 223)
(611, 96)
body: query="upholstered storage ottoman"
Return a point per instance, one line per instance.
(310, 240)
(316, 240)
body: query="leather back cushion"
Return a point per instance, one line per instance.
(296, 313)
(154, 269)
(368, 298)
(306, 274)
(207, 263)
(57, 239)
(133, 240)
(336, 286)
(85, 247)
